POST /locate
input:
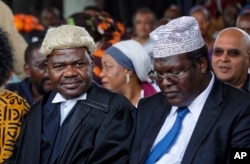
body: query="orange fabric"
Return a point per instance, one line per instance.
(12, 110)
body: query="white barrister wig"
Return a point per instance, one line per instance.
(66, 36)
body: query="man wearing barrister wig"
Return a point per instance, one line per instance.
(79, 121)
(196, 118)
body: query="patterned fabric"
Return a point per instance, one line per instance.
(12, 110)
(179, 36)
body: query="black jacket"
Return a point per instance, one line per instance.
(100, 130)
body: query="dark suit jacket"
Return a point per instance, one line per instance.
(101, 129)
(224, 123)
(23, 89)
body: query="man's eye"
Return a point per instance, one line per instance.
(234, 53)
(175, 73)
(78, 65)
(217, 52)
(58, 67)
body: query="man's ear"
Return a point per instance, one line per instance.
(203, 64)
(26, 69)
(92, 61)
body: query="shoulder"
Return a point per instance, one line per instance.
(99, 93)
(235, 94)
(12, 95)
(20, 86)
(108, 98)
(12, 99)
(152, 100)
(13, 86)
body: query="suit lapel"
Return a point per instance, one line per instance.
(154, 122)
(79, 113)
(81, 110)
(51, 119)
(207, 119)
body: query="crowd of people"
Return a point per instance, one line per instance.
(88, 89)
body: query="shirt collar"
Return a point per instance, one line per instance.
(59, 98)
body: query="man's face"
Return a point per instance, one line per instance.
(144, 24)
(70, 71)
(230, 14)
(244, 24)
(183, 91)
(202, 20)
(37, 72)
(50, 18)
(230, 59)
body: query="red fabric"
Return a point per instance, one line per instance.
(148, 89)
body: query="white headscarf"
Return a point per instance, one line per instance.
(132, 50)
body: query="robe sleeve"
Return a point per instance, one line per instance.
(113, 141)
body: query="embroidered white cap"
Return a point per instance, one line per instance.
(178, 36)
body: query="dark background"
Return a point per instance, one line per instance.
(122, 10)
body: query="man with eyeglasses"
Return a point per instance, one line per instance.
(37, 82)
(196, 118)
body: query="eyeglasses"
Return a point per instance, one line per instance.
(41, 66)
(174, 77)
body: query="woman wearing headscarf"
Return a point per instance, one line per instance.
(125, 67)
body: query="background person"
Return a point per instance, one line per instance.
(144, 21)
(231, 57)
(125, 67)
(37, 82)
(203, 18)
(50, 17)
(243, 22)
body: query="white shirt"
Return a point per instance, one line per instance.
(175, 154)
(66, 105)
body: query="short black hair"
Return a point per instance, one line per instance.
(195, 55)
(29, 49)
(6, 57)
(144, 10)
